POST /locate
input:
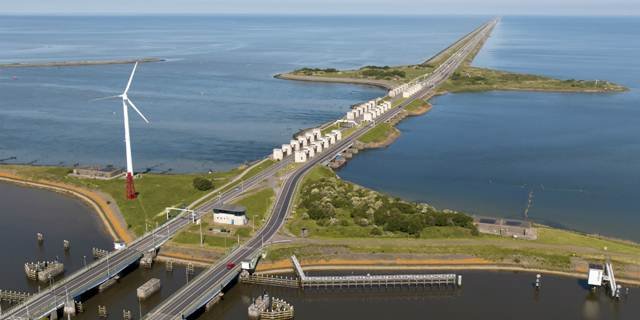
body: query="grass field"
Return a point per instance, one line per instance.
(481, 79)
(258, 204)
(395, 74)
(156, 191)
(378, 134)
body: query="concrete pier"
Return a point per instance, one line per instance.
(148, 288)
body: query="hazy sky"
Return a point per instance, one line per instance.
(547, 7)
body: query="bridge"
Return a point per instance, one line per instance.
(208, 285)
(73, 286)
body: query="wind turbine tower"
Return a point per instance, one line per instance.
(126, 103)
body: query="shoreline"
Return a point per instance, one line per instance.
(112, 221)
(375, 83)
(77, 63)
(384, 265)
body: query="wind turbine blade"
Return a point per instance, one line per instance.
(135, 66)
(105, 98)
(137, 110)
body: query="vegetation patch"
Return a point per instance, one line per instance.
(328, 206)
(395, 74)
(379, 133)
(155, 191)
(481, 79)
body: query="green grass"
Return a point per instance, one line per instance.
(415, 105)
(156, 191)
(481, 79)
(394, 74)
(258, 205)
(378, 134)
(570, 238)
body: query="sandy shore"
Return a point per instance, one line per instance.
(112, 219)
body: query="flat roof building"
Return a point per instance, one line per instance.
(230, 214)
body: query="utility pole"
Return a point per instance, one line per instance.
(201, 239)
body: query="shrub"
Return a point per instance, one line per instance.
(202, 184)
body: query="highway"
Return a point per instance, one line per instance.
(209, 283)
(101, 270)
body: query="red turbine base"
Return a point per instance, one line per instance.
(131, 190)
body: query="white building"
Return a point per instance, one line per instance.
(317, 146)
(311, 152)
(286, 149)
(368, 116)
(325, 143)
(302, 141)
(331, 138)
(230, 214)
(351, 115)
(295, 145)
(277, 154)
(317, 133)
(300, 156)
(310, 136)
(338, 134)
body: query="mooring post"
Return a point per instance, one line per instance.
(538, 281)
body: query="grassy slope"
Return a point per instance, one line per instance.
(554, 249)
(481, 79)
(378, 134)
(156, 191)
(410, 72)
(258, 205)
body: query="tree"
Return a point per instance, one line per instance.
(202, 184)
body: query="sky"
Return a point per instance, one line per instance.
(483, 7)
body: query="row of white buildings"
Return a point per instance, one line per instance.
(406, 90)
(369, 110)
(307, 145)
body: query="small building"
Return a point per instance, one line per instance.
(295, 145)
(331, 138)
(310, 137)
(317, 133)
(596, 275)
(506, 227)
(337, 133)
(102, 173)
(317, 146)
(368, 116)
(325, 142)
(277, 154)
(286, 149)
(302, 141)
(299, 156)
(230, 214)
(311, 152)
(351, 115)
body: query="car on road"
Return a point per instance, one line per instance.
(230, 265)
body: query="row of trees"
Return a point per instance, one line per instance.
(324, 197)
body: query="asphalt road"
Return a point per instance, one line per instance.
(208, 283)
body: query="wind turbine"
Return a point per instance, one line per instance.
(126, 103)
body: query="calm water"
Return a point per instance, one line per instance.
(214, 104)
(484, 152)
(485, 295)
(27, 211)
